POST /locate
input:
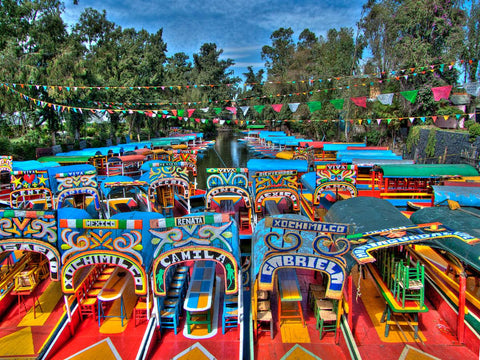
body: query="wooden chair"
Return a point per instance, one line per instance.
(141, 311)
(87, 305)
(327, 321)
(410, 283)
(322, 305)
(315, 292)
(244, 220)
(230, 314)
(264, 317)
(170, 319)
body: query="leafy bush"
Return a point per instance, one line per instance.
(413, 137)
(431, 142)
(473, 129)
(5, 146)
(23, 150)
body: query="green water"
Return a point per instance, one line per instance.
(227, 152)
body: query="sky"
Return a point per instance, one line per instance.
(238, 27)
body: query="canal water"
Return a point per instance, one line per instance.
(227, 152)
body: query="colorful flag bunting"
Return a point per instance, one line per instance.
(385, 99)
(314, 105)
(232, 109)
(244, 109)
(410, 95)
(277, 107)
(360, 101)
(441, 92)
(259, 108)
(293, 106)
(337, 103)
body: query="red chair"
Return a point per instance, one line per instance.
(87, 305)
(140, 311)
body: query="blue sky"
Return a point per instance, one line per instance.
(239, 27)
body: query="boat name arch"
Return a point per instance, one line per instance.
(332, 267)
(277, 193)
(167, 181)
(104, 257)
(227, 189)
(195, 253)
(37, 246)
(362, 253)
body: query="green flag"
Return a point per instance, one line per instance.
(259, 108)
(410, 95)
(314, 105)
(338, 103)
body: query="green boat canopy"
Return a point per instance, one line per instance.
(78, 159)
(456, 220)
(364, 214)
(428, 170)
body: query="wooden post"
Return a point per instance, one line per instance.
(461, 307)
(350, 299)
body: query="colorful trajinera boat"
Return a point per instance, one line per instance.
(77, 286)
(352, 287)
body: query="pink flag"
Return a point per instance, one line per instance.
(232, 109)
(190, 112)
(360, 101)
(441, 92)
(277, 107)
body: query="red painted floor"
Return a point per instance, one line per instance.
(87, 334)
(440, 341)
(221, 346)
(11, 319)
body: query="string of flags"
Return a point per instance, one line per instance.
(439, 93)
(380, 77)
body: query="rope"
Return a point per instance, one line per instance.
(359, 293)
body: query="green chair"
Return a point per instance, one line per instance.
(411, 283)
(197, 318)
(328, 321)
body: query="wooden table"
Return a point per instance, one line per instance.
(227, 207)
(271, 207)
(200, 292)
(25, 286)
(289, 293)
(113, 290)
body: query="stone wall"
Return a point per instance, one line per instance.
(450, 148)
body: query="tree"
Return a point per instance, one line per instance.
(472, 43)
(278, 57)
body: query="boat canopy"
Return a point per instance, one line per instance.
(79, 159)
(367, 162)
(111, 182)
(346, 156)
(341, 146)
(428, 170)
(464, 195)
(456, 220)
(314, 144)
(32, 165)
(255, 165)
(364, 214)
(309, 181)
